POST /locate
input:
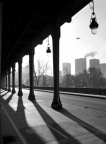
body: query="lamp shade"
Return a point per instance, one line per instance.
(48, 49)
(94, 25)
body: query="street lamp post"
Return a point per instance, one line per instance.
(93, 21)
(48, 47)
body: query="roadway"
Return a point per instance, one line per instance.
(81, 121)
(86, 102)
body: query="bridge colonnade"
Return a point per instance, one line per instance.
(56, 103)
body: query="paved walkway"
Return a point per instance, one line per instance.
(35, 122)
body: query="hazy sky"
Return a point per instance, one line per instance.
(72, 48)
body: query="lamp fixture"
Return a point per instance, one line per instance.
(48, 47)
(91, 4)
(93, 24)
(93, 21)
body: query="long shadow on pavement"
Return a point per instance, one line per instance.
(2, 91)
(9, 98)
(53, 126)
(4, 94)
(18, 117)
(101, 135)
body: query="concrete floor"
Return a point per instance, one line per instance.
(35, 122)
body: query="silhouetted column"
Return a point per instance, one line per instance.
(1, 136)
(31, 68)
(6, 80)
(2, 81)
(9, 80)
(56, 104)
(20, 76)
(13, 78)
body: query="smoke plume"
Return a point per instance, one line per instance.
(92, 54)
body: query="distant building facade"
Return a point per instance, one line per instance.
(103, 69)
(60, 73)
(94, 63)
(80, 65)
(60, 76)
(66, 68)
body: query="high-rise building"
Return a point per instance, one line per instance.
(60, 73)
(60, 76)
(66, 68)
(103, 69)
(80, 65)
(94, 63)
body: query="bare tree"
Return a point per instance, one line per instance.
(66, 82)
(82, 79)
(96, 76)
(41, 72)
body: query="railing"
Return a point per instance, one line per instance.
(94, 91)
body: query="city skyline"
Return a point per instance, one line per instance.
(95, 64)
(92, 63)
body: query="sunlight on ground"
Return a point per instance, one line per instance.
(12, 101)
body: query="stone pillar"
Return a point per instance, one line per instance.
(13, 78)
(3, 81)
(20, 76)
(9, 80)
(6, 80)
(31, 68)
(56, 104)
(1, 136)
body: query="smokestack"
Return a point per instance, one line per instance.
(92, 54)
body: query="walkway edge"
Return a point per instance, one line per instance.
(76, 94)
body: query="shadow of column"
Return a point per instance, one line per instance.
(4, 94)
(2, 91)
(9, 98)
(19, 119)
(53, 126)
(101, 135)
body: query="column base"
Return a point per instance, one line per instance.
(13, 91)
(9, 90)
(20, 93)
(56, 105)
(31, 97)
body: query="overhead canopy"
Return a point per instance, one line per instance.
(25, 22)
